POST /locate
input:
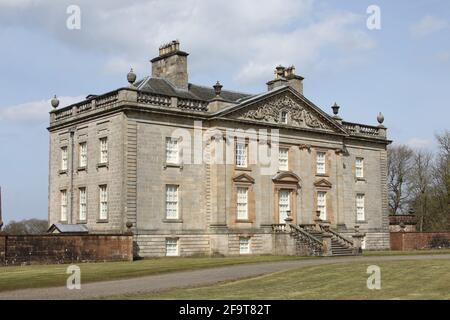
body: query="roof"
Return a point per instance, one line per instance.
(68, 228)
(196, 92)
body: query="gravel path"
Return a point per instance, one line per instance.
(155, 283)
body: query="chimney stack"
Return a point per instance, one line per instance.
(171, 64)
(286, 76)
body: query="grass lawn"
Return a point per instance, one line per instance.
(427, 279)
(405, 253)
(35, 276)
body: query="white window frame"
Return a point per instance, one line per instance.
(283, 159)
(321, 160)
(103, 202)
(172, 151)
(242, 203)
(83, 154)
(284, 117)
(172, 202)
(241, 154)
(360, 207)
(244, 245)
(284, 204)
(104, 150)
(172, 247)
(82, 215)
(322, 204)
(64, 203)
(64, 158)
(359, 167)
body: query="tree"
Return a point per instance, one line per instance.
(399, 164)
(441, 182)
(31, 226)
(420, 186)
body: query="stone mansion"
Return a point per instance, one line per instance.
(181, 166)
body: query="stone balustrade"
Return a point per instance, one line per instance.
(85, 107)
(280, 227)
(365, 130)
(117, 97)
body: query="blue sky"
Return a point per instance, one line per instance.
(401, 70)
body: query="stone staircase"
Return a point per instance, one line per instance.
(312, 236)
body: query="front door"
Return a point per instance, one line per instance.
(283, 204)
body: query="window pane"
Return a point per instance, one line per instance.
(64, 158)
(172, 202)
(241, 155)
(172, 150)
(83, 206)
(321, 169)
(359, 167)
(242, 200)
(360, 211)
(284, 115)
(244, 245)
(283, 159)
(63, 205)
(322, 204)
(103, 202)
(283, 205)
(83, 154)
(103, 150)
(171, 247)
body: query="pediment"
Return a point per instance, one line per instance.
(286, 177)
(243, 178)
(323, 183)
(300, 112)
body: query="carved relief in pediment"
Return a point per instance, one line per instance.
(299, 114)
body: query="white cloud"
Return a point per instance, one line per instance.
(34, 111)
(428, 25)
(245, 38)
(418, 143)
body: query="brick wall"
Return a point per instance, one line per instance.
(42, 249)
(416, 240)
(2, 249)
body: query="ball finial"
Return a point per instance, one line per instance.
(380, 118)
(131, 76)
(55, 102)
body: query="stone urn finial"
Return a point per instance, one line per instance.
(356, 229)
(55, 102)
(335, 108)
(380, 118)
(217, 88)
(318, 214)
(131, 77)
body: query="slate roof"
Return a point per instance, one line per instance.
(68, 228)
(197, 92)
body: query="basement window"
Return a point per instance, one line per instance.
(172, 247)
(244, 245)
